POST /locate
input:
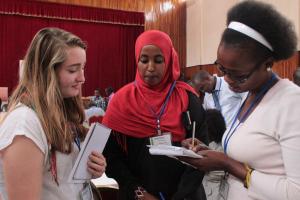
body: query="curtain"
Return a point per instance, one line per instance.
(110, 36)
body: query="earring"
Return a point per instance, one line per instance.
(269, 69)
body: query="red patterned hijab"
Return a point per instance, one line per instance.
(130, 112)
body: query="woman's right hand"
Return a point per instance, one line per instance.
(195, 146)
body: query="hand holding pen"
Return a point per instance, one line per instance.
(195, 146)
(193, 134)
(193, 143)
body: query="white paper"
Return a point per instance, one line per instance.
(172, 151)
(95, 140)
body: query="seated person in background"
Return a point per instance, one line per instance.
(296, 76)
(41, 133)
(216, 127)
(153, 105)
(96, 100)
(91, 110)
(94, 111)
(109, 93)
(218, 95)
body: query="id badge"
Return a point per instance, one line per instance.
(224, 188)
(86, 193)
(164, 139)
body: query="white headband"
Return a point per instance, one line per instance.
(243, 28)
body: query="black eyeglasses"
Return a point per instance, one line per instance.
(239, 79)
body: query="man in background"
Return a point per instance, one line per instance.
(218, 95)
(98, 101)
(109, 93)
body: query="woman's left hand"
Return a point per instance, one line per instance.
(96, 164)
(212, 160)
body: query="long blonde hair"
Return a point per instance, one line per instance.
(39, 88)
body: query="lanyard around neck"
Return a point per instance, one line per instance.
(163, 108)
(259, 96)
(216, 94)
(76, 136)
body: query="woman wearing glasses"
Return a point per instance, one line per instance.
(261, 147)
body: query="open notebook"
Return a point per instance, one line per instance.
(95, 140)
(172, 151)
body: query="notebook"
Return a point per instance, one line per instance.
(172, 151)
(95, 140)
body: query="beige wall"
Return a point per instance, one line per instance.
(291, 10)
(206, 21)
(193, 33)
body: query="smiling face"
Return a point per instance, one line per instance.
(151, 65)
(71, 72)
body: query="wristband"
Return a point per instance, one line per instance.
(248, 175)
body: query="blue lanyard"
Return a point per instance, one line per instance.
(77, 141)
(163, 108)
(260, 95)
(75, 133)
(215, 94)
(218, 90)
(161, 196)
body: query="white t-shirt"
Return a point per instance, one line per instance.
(24, 121)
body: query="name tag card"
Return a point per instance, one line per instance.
(164, 139)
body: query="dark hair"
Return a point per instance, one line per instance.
(109, 90)
(296, 76)
(263, 18)
(215, 124)
(201, 75)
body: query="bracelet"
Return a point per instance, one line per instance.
(139, 193)
(248, 175)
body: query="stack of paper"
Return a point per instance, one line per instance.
(172, 151)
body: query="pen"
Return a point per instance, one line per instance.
(193, 134)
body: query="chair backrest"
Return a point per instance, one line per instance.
(95, 119)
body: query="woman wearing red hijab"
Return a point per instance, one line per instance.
(150, 106)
